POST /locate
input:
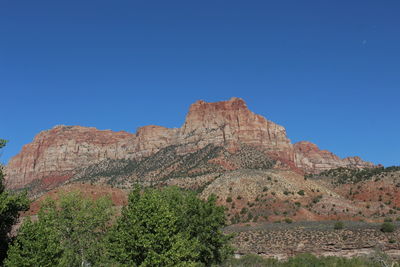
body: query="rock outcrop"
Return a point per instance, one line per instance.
(56, 154)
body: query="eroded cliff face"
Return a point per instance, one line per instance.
(231, 123)
(56, 154)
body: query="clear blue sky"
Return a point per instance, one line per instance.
(329, 71)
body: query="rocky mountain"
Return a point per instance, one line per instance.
(276, 194)
(214, 139)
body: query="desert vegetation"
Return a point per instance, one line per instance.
(347, 175)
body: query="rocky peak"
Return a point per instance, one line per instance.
(204, 115)
(231, 123)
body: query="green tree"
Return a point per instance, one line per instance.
(169, 227)
(10, 207)
(69, 232)
(37, 245)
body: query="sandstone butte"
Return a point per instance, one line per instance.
(56, 154)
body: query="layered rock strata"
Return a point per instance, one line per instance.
(56, 154)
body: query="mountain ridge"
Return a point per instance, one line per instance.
(56, 154)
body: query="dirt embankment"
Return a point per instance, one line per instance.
(285, 240)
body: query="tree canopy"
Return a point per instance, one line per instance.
(69, 232)
(169, 227)
(158, 227)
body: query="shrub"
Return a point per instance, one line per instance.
(229, 199)
(288, 220)
(235, 219)
(316, 199)
(301, 192)
(338, 225)
(387, 227)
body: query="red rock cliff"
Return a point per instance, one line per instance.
(57, 153)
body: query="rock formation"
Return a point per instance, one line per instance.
(56, 154)
(311, 159)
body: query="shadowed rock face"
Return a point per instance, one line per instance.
(55, 155)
